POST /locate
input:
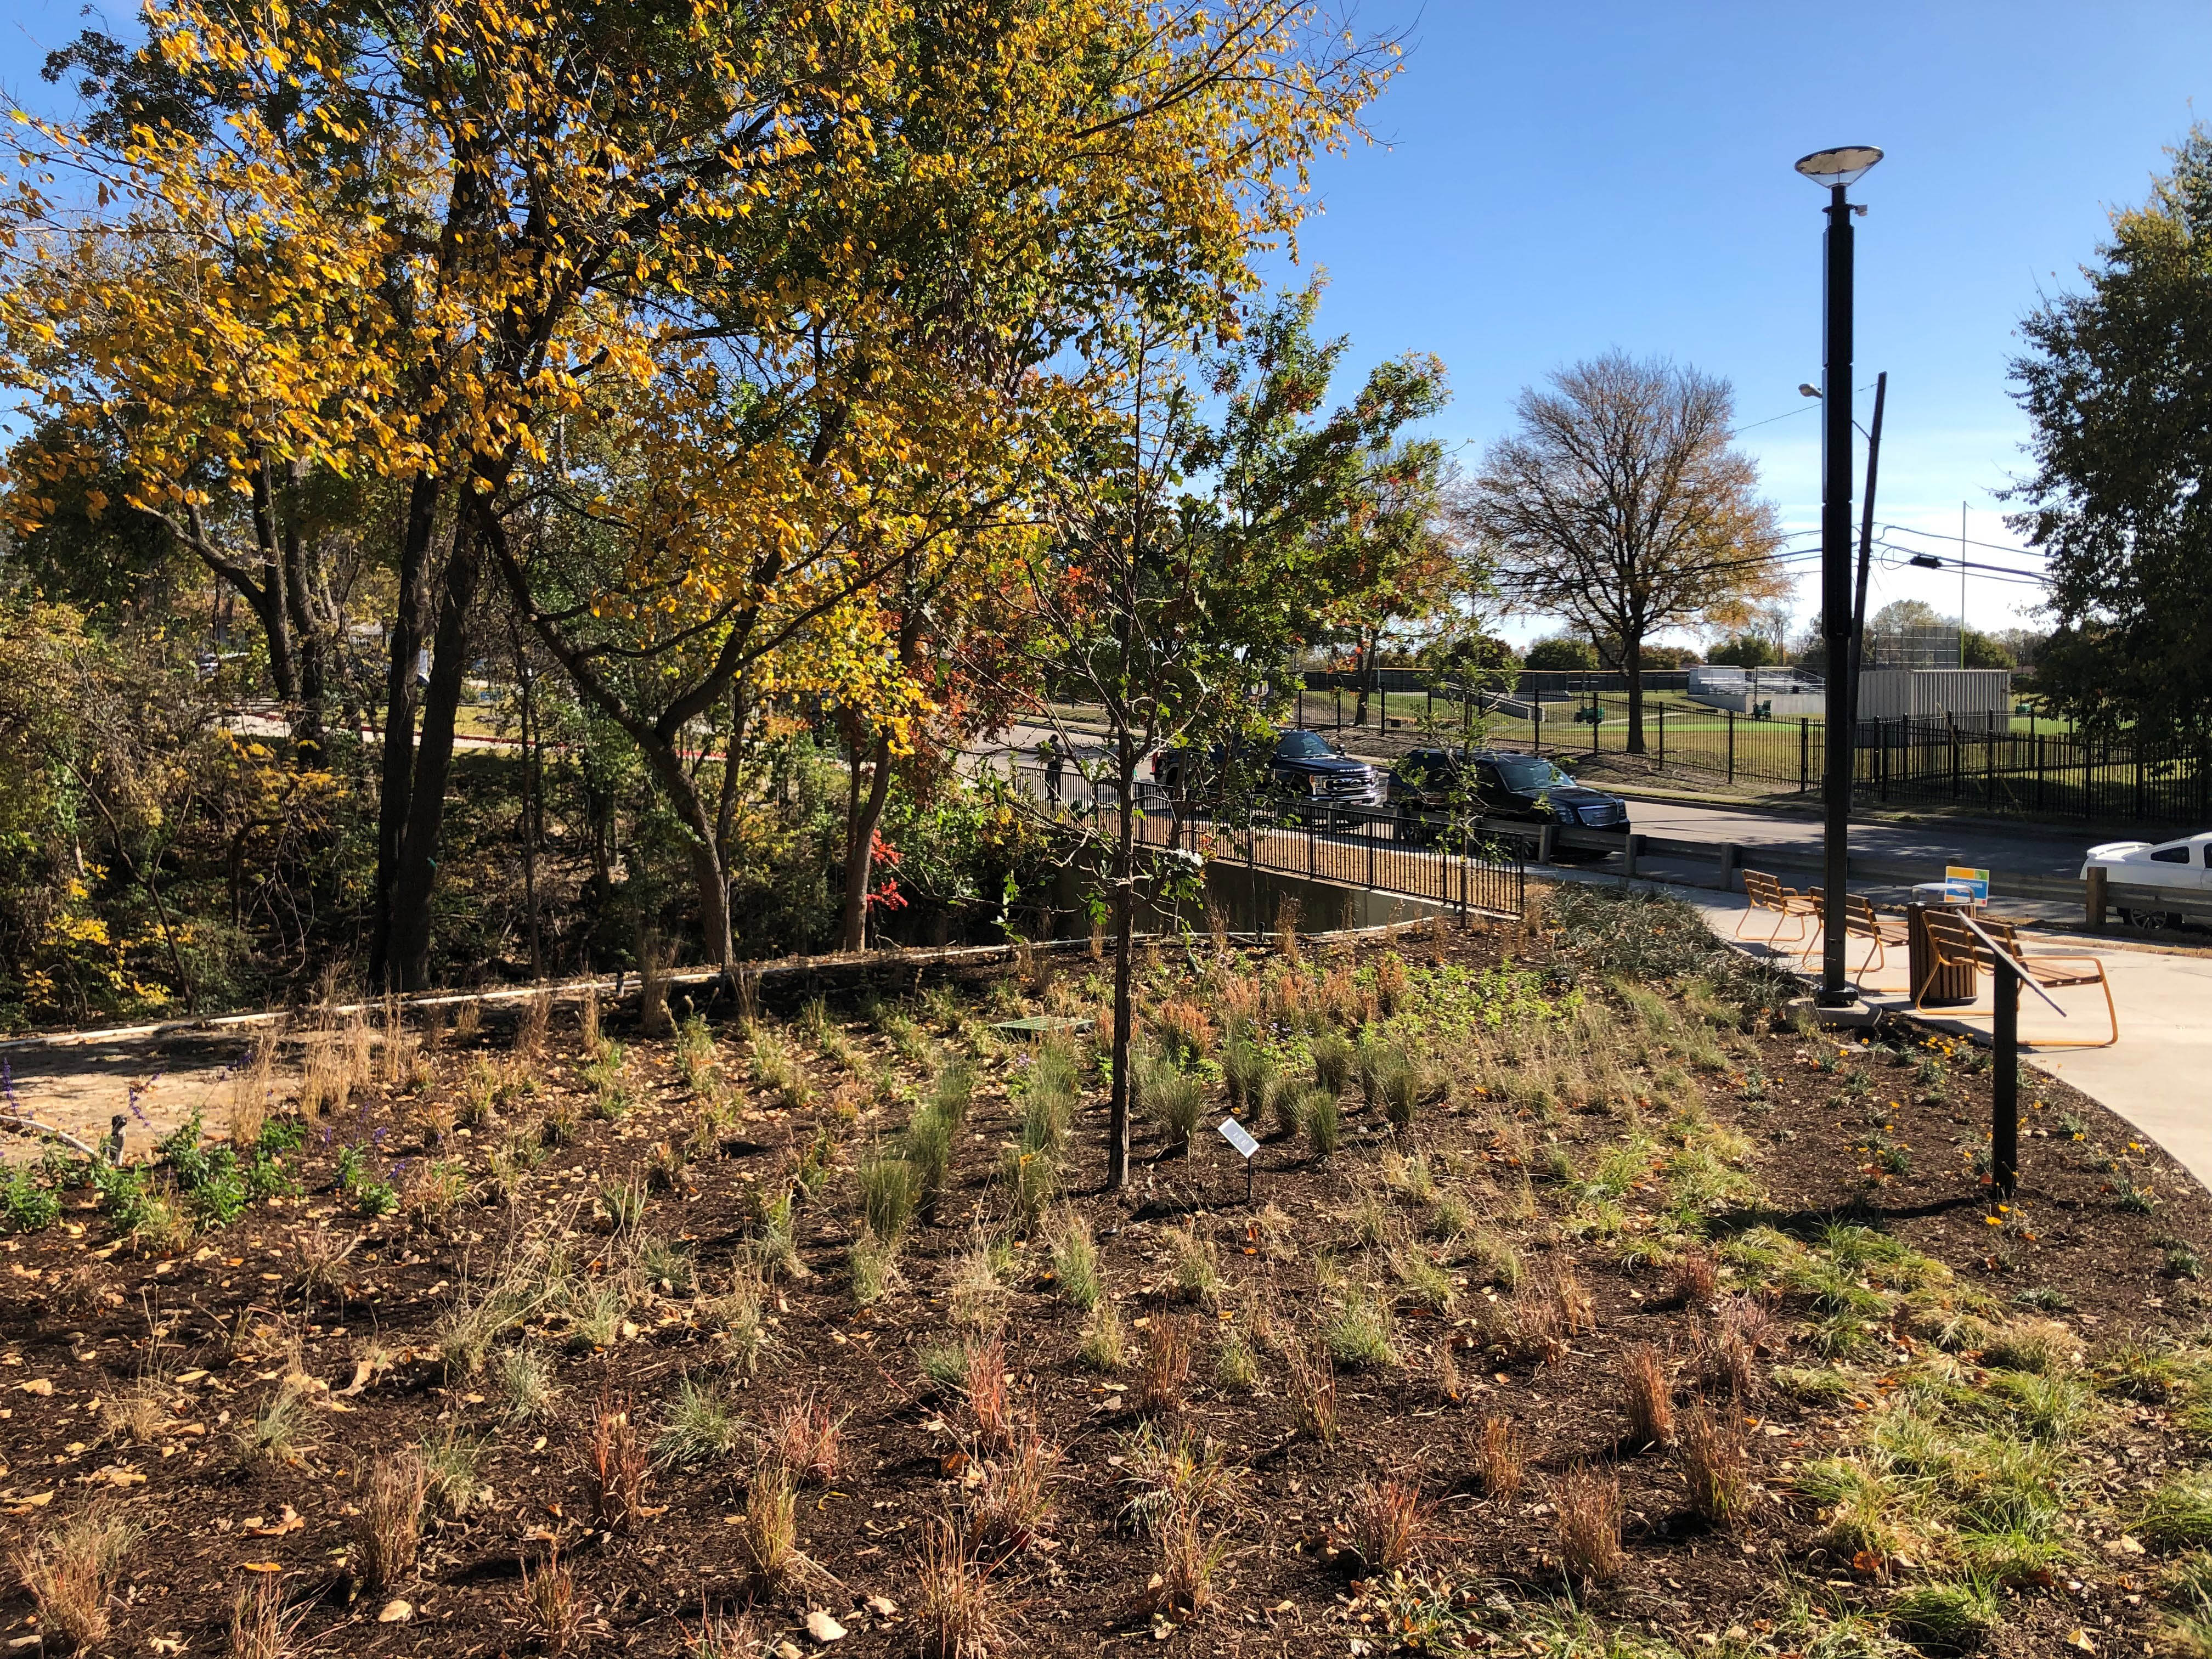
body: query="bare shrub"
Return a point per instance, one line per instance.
(1715, 1458)
(956, 1607)
(1648, 1393)
(1165, 1364)
(1388, 1525)
(1501, 1457)
(72, 1572)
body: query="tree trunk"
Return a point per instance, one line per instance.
(398, 769)
(308, 624)
(1370, 641)
(434, 764)
(1631, 654)
(860, 859)
(1124, 935)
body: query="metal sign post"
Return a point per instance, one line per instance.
(2004, 1105)
(1241, 1138)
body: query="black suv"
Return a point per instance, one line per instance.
(1432, 784)
(1305, 765)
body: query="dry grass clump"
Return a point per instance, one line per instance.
(550, 1613)
(957, 1606)
(1729, 1351)
(1387, 1525)
(1165, 1364)
(1649, 1394)
(807, 1439)
(1312, 1388)
(1189, 1557)
(259, 1626)
(1014, 1499)
(1586, 1512)
(1501, 1458)
(617, 1461)
(388, 1532)
(1694, 1280)
(1715, 1458)
(71, 1574)
(989, 1402)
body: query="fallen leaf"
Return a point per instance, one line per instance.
(287, 1522)
(882, 1606)
(265, 1566)
(38, 1385)
(395, 1612)
(2079, 1638)
(191, 1376)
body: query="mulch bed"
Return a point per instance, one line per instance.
(82, 1310)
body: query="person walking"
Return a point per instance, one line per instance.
(1055, 761)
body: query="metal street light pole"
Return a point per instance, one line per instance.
(1837, 169)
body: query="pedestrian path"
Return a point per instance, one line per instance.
(2158, 1076)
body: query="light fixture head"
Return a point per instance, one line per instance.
(1927, 561)
(1806, 389)
(1844, 165)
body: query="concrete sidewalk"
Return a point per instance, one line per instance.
(2158, 1076)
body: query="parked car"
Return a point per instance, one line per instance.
(1431, 785)
(2182, 868)
(1305, 767)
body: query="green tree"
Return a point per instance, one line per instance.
(1190, 558)
(1746, 651)
(2116, 385)
(1561, 651)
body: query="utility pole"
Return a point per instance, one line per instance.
(1836, 170)
(1962, 584)
(1865, 548)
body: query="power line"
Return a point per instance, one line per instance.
(1945, 536)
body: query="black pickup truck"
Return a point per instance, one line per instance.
(1430, 786)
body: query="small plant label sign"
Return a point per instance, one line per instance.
(1239, 1137)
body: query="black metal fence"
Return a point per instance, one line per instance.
(2119, 777)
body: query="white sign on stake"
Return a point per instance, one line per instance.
(1241, 1138)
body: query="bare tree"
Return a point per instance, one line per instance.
(1619, 505)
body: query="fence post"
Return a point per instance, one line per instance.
(1302, 704)
(1662, 736)
(1537, 725)
(1805, 750)
(1731, 760)
(2095, 898)
(2038, 736)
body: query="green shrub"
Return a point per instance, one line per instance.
(927, 1145)
(25, 1205)
(1075, 1269)
(1247, 1070)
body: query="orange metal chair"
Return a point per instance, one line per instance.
(1787, 904)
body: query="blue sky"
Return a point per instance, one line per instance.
(1556, 180)
(1560, 179)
